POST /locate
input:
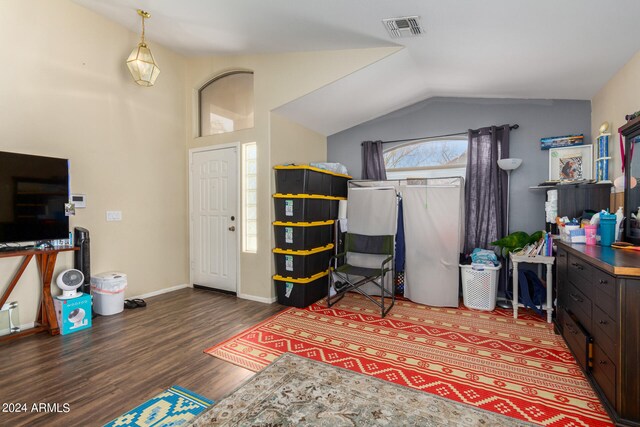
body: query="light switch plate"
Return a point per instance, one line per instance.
(114, 215)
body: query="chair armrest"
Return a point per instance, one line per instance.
(334, 260)
(386, 261)
(336, 256)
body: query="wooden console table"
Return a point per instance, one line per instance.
(46, 259)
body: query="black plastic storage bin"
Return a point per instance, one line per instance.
(300, 264)
(339, 185)
(305, 207)
(305, 179)
(300, 236)
(292, 179)
(301, 292)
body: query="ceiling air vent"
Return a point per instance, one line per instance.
(406, 26)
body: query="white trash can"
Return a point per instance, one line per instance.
(480, 286)
(108, 292)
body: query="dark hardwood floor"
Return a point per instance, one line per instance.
(126, 359)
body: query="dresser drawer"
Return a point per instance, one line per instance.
(604, 372)
(580, 273)
(579, 304)
(577, 340)
(605, 331)
(606, 293)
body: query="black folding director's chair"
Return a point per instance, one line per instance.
(341, 277)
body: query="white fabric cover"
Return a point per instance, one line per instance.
(434, 230)
(372, 212)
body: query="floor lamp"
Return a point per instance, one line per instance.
(508, 165)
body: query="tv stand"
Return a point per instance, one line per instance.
(46, 260)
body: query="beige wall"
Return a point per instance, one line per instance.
(619, 97)
(292, 143)
(278, 79)
(65, 92)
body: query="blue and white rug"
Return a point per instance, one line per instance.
(173, 407)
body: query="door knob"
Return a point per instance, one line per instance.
(232, 228)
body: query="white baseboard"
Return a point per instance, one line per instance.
(22, 328)
(161, 291)
(27, 326)
(258, 299)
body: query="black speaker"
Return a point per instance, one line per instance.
(81, 258)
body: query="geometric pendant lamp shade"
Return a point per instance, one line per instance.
(141, 63)
(142, 66)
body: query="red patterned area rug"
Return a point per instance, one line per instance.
(518, 368)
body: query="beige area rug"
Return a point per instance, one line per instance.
(296, 391)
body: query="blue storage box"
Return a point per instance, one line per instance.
(73, 314)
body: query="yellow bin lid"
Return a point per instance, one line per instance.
(306, 196)
(301, 281)
(311, 168)
(303, 224)
(303, 252)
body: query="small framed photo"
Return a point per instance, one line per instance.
(571, 163)
(69, 209)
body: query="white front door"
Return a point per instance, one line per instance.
(214, 218)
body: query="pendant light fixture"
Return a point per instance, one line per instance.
(141, 64)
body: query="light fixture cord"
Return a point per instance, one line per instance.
(142, 37)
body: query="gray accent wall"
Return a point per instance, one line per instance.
(438, 116)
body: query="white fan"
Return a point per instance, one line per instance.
(69, 281)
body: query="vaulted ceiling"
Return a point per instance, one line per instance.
(545, 49)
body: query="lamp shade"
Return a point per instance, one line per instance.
(509, 164)
(619, 183)
(142, 65)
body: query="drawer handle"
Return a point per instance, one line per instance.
(603, 322)
(578, 266)
(571, 329)
(575, 297)
(603, 362)
(603, 282)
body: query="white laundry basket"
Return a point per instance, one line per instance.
(480, 286)
(108, 292)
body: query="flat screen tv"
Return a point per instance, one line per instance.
(33, 192)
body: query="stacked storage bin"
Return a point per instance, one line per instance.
(306, 206)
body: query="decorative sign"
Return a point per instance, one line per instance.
(561, 141)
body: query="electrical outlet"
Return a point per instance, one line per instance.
(114, 215)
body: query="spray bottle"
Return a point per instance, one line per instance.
(619, 218)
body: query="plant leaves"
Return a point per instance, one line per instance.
(516, 240)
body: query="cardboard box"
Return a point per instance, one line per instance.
(73, 314)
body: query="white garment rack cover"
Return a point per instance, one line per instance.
(372, 211)
(433, 230)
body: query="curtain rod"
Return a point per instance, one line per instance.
(512, 127)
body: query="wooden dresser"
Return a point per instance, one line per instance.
(598, 314)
